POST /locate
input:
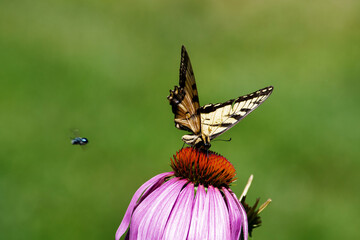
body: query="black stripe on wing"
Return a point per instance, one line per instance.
(186, 71)
(218, 118)
(212, 107)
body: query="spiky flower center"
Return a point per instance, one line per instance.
(203, 167)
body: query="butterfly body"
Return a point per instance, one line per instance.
(209, 121)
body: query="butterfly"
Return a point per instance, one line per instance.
(209, 121)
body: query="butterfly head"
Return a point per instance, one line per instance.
(205, 142)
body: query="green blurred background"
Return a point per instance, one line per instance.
(105, 67)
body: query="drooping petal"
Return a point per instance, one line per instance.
(197, 220)
(234, 215)
(150, 217)
(219, 226)
(146, 186)
(244, 221)
(179, 221)
(209, 213)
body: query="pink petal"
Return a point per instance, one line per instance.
(179, 221)
(150, 217)
(243, 216)
(197, 221)
(126, 219)
(219, 226)
(234, 215)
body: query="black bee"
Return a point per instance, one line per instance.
(76, 139)
(79, 141)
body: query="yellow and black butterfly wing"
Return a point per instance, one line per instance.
(218, 118)
(184, 98)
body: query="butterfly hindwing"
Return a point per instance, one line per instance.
(184, 99)
(218, 118)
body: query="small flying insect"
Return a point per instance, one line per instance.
(77, 140)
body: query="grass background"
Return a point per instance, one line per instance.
(106, 67)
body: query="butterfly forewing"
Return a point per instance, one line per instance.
(218, 118)
(184, 99)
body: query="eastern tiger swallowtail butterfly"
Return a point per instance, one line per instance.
(209, 121)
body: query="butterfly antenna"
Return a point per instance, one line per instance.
(223, 140)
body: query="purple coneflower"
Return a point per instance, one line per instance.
(193, 201)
